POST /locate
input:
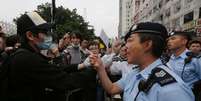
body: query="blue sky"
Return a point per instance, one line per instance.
(102, 14)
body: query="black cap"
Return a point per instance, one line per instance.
(32, 21)
(188, 35)
(148, 28)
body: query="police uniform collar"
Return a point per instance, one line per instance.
(182, 55)
(147, 71)
(199, 55)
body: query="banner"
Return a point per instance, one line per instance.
(104, 38)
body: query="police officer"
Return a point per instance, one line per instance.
(182, 61)
(153, 81)
(31, 77)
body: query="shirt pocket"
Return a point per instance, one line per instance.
(189, 71)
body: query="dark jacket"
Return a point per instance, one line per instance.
(32, 78)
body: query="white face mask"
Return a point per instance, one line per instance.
(76, 45)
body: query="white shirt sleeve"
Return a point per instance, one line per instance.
(115, 68)
(107, 59)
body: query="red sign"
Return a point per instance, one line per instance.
(198, 22)
(199, 30)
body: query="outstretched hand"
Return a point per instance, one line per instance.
(96, 62)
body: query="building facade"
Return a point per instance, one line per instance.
(174, 14)
(125, 16)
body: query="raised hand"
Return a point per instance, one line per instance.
(54, 50)
(96, 62)
(116, 45)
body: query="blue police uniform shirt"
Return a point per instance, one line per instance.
(192, 70)
(177, 91)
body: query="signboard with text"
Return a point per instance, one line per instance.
(189, 25)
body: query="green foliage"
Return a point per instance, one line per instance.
(66, 21)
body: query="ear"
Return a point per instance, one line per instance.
(185, 41)
(29, 35)
(147, 45)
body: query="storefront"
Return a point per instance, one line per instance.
(198, 27)
(190, 26)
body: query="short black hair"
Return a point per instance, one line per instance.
(91, 43)
(77, 35)
(12, 40)
(194, 42)
(158, 43)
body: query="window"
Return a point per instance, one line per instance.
(166, 1)
(177, 6)
(155, 9)
(200, 13)
(188, 17)
(161, 17)
(188, 1)
(150, 13)
(176, 23)
(167, 13)
(160, 4)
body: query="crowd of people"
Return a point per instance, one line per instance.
(149, 64)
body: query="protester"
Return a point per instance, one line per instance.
(31, 76)
(64, 42)
(74, 50)
(2, 42)
(84, 49)
(2, 47)
(120, 66)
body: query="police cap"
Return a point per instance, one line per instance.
(148, 28)
(186, 34)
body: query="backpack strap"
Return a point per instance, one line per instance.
(158, 75)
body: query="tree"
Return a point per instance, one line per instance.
(66, 21)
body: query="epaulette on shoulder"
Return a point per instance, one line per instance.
(162, 77)
(158, 75)
(199, 56)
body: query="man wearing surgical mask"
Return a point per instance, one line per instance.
(31, 76)
(74, 50)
